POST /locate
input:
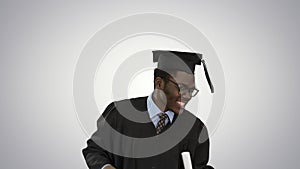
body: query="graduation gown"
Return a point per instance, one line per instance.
(104, 147)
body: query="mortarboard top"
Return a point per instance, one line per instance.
(182, 61)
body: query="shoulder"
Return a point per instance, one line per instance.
(198, 121)
(139, 103)
(199, 130)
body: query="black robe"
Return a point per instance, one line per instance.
(195, 140)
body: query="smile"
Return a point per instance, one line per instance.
(182, 104)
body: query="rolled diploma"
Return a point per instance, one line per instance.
(187, 162)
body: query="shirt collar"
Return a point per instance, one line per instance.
(154, 110)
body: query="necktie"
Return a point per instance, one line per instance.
(161, 123)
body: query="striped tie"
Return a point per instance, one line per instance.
(161, 123)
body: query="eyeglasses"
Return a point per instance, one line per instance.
(184, 89)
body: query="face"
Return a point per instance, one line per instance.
(176, 100)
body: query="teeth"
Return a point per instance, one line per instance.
(181, 103)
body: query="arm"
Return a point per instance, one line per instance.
(200, 155)
(95, 156)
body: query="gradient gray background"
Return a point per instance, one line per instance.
(257, 43)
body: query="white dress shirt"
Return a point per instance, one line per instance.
(154, 111)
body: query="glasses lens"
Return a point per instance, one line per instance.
(183, 89)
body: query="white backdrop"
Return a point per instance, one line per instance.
(257, 43)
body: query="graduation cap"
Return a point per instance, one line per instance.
(182, 61)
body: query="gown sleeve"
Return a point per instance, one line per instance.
(95, 156)
(200, 149)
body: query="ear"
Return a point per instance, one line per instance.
(159, 83)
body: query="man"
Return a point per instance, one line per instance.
(152, 132)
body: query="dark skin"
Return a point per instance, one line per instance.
(167, 95)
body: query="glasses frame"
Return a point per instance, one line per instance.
(181, 87)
